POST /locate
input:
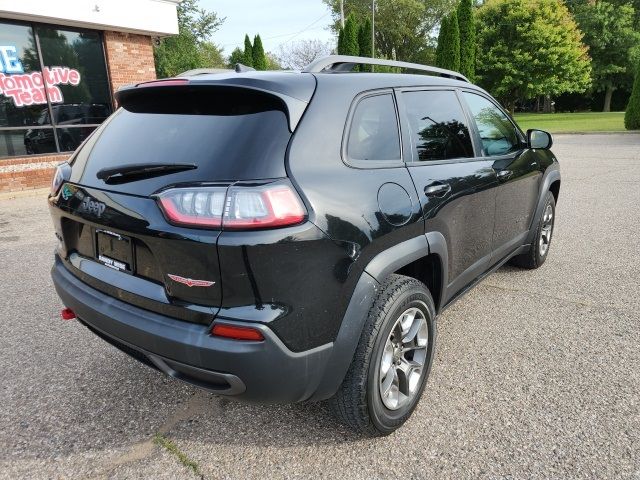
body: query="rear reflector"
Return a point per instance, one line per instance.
(67, 314)
(237, 333)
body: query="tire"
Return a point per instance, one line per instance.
(359, 402)
(539, 249)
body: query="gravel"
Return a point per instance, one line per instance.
(536, 375)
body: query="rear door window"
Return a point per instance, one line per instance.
(374, 135)
(437, 125)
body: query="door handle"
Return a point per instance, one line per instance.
(437, 190)
(504, 174)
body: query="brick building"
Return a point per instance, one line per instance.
(60, 63)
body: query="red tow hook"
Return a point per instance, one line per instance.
(67, 314)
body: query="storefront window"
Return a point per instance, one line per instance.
(54, 89)
(18, 64)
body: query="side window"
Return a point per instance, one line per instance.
(374, 130)
(437, 125)
(498, 134)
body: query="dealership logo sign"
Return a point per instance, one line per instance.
(29, 88)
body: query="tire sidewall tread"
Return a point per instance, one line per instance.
(357, 402)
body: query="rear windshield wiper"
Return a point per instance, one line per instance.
(139, 171)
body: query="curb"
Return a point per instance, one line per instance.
(620, 132)
(35, 192)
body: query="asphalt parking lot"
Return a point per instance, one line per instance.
(536, 375)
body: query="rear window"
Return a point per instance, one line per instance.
(374, 130)
(228, 133)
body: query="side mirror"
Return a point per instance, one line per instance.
(539, 139)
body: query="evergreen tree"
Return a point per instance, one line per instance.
(259, 58)
(364, 39)
(364, 44)
(450, 49)
(350, 37)
(248, 52)
(340, 47)
(441, 36)
(632, 115)
(467, 26)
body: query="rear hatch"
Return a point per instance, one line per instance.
(115, 237)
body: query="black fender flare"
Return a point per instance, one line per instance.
(364, 294)
(551, 175)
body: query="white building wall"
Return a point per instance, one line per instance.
(150, 17)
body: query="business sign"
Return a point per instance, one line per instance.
(29, 88)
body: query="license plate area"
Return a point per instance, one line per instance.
(114, 250)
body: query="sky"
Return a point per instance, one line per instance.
(277, 21)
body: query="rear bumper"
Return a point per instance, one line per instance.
(263, 372)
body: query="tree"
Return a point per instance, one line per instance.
(449, 43)
(248, 52)
(348, 45)
(632, 114)
(259, 58)
(273, 63)
(528, 48)
(237, 56)
(211, 55)
(441, 35)
(609, 32)
(297, 55)
(340, 45)
(191, 48)
(467, 26)
(364, 39)
(403, 27)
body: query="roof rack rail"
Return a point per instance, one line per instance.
(345, 63)
(203, 71)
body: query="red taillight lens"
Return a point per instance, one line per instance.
(237, 333)
(198, 207)
(67, 314)
(239, 207)
(273, 205)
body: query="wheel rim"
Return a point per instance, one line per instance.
(546, 230)
(403, 359)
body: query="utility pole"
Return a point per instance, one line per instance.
(342, 13)
(373, 28)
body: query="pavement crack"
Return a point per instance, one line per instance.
(539, 294)
(171, 447)
(142, 450)
(136, 452)
(195, 405)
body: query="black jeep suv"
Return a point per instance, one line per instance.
(292, 236)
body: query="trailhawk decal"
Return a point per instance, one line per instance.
(190, 282)
(29, 88)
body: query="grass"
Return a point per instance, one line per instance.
(172, 448)
(572, 122)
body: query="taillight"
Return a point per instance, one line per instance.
(60, 175)
(240, 207)
(197, 207)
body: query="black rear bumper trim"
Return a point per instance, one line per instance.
(260, 372)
